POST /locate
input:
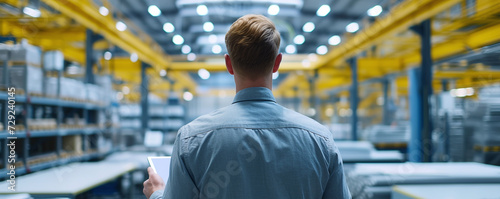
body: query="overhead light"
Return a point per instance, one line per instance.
(119, 96)
(191, 57)
(163, 72)
(168, 27)
(290, 49)
(321, 50)
(185, 49)
(107, 55)
(134, 57)
(299, 39)
(104, 11)
(202, 10)
(334, 40)
(374, 11)
(462, 92)
(306, 63)
(308, 27)
(312, 57)
(323, 10)
(212, 39)
(216, 49)
(352, 27)
(154, 10)
(188, 96)
(208, 26)
(125, 90)
(203, 73)
(178, 40)
(276, 75)
(32, 12)
(120, 26)
(273, 10)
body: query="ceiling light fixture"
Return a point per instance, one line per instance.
(216, 49)
(134, 57)
(323, 10)
(352, 27)
(208, 26)
(374, 11)
(178, 40)
(299, 39)
(203, 73)
(186, 49)
(32, 12)
(202, 10)
(308, 27)
(120, 26)
(154, 10)
(273, 10)
(290, 49)
(334, 40)
(103, 11)
(108, 55)
(163, 72)
(212, 39)
(276, 75)
(125, 90)
(191, 57)
(321, 50)
(188, 96)
(168, 27)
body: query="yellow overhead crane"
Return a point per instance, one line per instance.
(59, 32)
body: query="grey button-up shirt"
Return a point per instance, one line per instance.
(255, 149)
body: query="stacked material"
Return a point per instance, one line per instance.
(53, 60)
(376, 180)
(24, 72)
(387, 134)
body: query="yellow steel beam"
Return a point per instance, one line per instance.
(84, 12)
(193, 66)
(400, 18)
(474, 40)
(465, 74)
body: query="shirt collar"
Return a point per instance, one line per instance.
(254, 94)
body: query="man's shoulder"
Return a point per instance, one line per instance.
(306, 123)
(227, 117)
(204, 123)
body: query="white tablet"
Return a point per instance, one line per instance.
(161, 166)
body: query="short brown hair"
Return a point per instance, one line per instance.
(253, 43)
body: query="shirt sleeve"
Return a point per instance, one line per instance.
(180, 185)
(157, 195)
(337, 185)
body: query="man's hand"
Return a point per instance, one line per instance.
(154, 183)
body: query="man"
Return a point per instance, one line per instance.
(253, 148)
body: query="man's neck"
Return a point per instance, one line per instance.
(242, 83)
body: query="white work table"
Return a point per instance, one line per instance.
(69, 180)
(364, 152)
(444, 191)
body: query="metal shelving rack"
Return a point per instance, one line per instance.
(25, 136)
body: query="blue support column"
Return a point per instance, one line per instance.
(420, 147)
(354, 98)
(144, 99)
(89, 59)
(385, 88)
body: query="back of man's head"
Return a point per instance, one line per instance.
(253, 43)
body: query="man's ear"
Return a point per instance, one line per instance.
(229, 66)
(277, 62)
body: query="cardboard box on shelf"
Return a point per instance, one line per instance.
(25, 54)
(53, 60)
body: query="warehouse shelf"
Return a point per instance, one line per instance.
(52, 101)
